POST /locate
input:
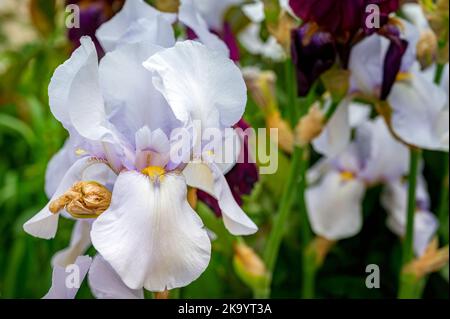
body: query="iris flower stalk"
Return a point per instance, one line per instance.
(406, 281)
(296, 185)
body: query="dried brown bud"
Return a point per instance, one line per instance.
(321, 246)
(162, 295)
(337, 83)
(281, 30)
(310, 126)
(249, 261)
(427, 48)
(438, 16)
(285, 134)
(192, 197)
(83, 200)
(261, 85)
(431, 261)
(167, 5)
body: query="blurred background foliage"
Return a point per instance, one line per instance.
(33, 43)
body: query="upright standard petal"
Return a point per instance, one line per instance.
(158, 32)
(335, 207)
(63, 77)
(190, 16)
(199, 84)
(105, 283)
(85, 104)
(214, 11)
(150, 235)
(110, 33)
(366, 65)
(128, 91)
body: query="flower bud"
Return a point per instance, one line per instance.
(320, 247)
(83, 200)
(261, 85)
(281, 30)
(192, 197)
(431, 261)
(249, 266)
(438, 16)
(427, 48)
(285, 135)
(167, 5)
(337, 82)
(309, 126)
(162, 294)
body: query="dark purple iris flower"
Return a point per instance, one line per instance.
(341, 17)
(313, 53)
(93, 13)
(227, 36)
(241, 178)
(230, 40)
(393, 59)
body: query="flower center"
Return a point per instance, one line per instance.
(347, 176)
(404, 76)
(154, 172)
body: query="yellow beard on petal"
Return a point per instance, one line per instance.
(154, 173)
(347, 176)
(404, 76)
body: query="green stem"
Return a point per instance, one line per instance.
(408, 252)
(281, 219)
(443, 204)
(309, 274)
(291, 91)
(308, 258)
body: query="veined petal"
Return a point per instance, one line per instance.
(44, 224)
(199, 84)
(127, 87)
(420, 113)
(190, 16)
(105, 283)
(152, 148)
(150, 235)
(209, 178)
(60, 278)
(110, 33)
(335, 207)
